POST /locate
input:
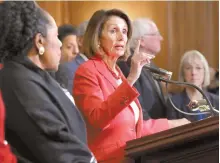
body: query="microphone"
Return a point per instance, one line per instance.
(203, 108)
(201, 105)
(196, 103)
(159, 71)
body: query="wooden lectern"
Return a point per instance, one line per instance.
(196, 142)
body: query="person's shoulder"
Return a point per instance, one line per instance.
(13, 70)
(91, 63)
(214, 99)
(66, 67)
(62, 67)
(92, 67)
(87, 65)
(17, 74)
(213, 96)
(78, 57)
(177, 96)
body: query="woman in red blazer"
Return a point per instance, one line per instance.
(5, 154)
(106, 98)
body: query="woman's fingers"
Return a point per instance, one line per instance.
(147, 56)
(144, 62)
(137, 48)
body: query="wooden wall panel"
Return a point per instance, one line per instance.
(75, 12)
(194, 26)
(184, 25)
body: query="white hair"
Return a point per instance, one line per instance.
(141, 27)
(189, 56)
(82, 28)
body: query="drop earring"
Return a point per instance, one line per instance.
(41, 50)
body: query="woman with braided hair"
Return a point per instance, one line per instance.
(42, 124)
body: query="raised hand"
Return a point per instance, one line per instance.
(138, 60)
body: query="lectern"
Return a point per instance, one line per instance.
(196, 142)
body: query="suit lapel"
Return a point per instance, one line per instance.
(103, 70)
(140, 119)
(79, 60)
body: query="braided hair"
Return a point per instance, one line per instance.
(20, 22)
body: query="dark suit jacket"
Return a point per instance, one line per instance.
(66, 72)
(151, 97)
(42, 124)
(181, 100)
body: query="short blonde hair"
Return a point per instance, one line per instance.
(189, 56)
(94, 30)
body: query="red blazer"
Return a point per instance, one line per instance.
(107, 112)
(5, 154)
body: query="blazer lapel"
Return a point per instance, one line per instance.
(102, 69)
(140, 119)
(79, 59)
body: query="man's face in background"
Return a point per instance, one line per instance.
(151, 41)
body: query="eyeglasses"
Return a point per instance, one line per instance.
(190, 68)
(153, 34)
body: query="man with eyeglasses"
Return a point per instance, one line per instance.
(151, 97)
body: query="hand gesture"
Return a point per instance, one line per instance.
(138, 60)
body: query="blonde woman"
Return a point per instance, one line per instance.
(193, 69)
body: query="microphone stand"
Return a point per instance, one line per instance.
(159, 78)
